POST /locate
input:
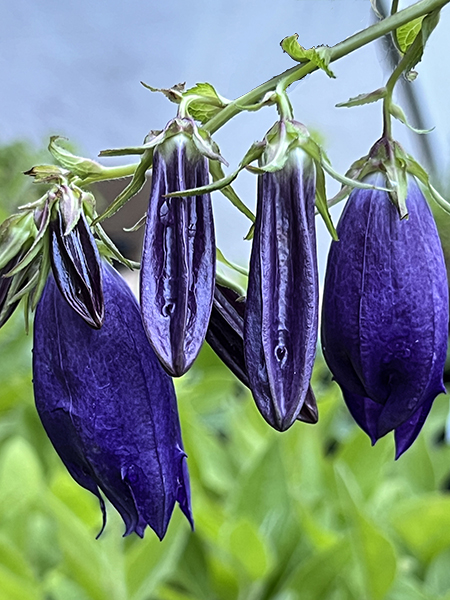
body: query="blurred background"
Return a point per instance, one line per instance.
(311, 514)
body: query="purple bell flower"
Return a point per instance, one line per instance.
(281, 315)
(109, 408)
(385, 312)
(178, 258)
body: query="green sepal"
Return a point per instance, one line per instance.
(82, 167)
(254, 153)
(44, 269)
(140, 223)
(397, 177)
(217, 174)
(108, 249)
(250, 233)
(362, 99)
(320, 56)
(15, 231)
(48, 174)
(397, 112)
(44, 216)
(221, 258)
(418, 171)
(18, 294)
(321, 201)
(135, 186)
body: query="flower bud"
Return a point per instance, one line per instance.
(178, 260)
(108, 407)
(76, 266)
(280, 331)
(385, 312)
(225, 336)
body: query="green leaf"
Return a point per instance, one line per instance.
(249, 550)
(423, 523)
(231, 265)
(207, 103)
(320, 56)
(406, 34)
(15, 588)
(362, 99)
(20, 475)
(374, 552)
(148, 562)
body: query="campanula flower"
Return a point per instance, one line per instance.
(385, 312)
(178, 259)
(109, 408)
(281, 316)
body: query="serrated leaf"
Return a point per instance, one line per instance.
(174, 94)
(207, 104)
(362, 99)
(320, 56)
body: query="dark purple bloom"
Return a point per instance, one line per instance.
(385, 312)
(76, 267)
(280, 332)
(225, 335)
(178, 260)
(108, 407)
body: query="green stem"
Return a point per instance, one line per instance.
(108, 173)
(402, 66)
(338, 51)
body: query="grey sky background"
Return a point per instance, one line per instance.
(73, 68)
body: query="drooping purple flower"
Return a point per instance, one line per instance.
(76, 266)
(109, 408)
(178, 260)
(385, 312)
(225, 335)
(280, 332)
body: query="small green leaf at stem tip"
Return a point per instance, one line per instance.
(205, 102)
(320, 56)
(406, 34)
(362, 99)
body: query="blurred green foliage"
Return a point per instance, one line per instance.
(314, 513)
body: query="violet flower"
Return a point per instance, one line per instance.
(385, 312)
(281, 317)
(225, 335)
(178, 259)
(76, 267)
(108, 407)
